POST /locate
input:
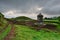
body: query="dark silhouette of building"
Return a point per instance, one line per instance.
(40, 18)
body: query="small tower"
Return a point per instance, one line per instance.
(40, 18)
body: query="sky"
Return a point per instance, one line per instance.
(30, 8)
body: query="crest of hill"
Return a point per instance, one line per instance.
(22, 18)
(3, 21)
(1, 15)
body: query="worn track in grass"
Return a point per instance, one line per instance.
(11, 34)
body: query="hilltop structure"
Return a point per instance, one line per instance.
(40, 18)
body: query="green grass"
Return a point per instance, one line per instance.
(5, 32)
(3, 24)
(22, 18)
(55, 22)
(52, 20)
(25, 33)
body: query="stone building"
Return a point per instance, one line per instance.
(40, 18)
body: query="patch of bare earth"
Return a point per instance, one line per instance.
(36, 27)
(11, 34)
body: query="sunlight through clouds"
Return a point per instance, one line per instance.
(39, 9)
(10, 13)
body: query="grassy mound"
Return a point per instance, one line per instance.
(3, 21)
(22, 18)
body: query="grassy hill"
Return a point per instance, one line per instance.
(23, 32)
(1, 18)
(22, 18)
(4, 27)
(3, 21)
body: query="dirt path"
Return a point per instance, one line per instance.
(10, 34)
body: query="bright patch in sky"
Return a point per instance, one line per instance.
(10, 13)
(39, 9)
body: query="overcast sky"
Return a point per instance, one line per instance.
(30, 8)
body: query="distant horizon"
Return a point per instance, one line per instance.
(32, 18)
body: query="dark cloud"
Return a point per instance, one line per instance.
(30, 7)
(52, 7)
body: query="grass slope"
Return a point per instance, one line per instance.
(3, 21)
(25, 33)
(4, 27)
(21, 18)
(3, 24)
(5, 32)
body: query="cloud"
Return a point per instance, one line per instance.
(52, 7)
(30, 8)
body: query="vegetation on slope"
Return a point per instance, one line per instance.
(1, 18)
(3, 22)
(25, 33)
(4, 27)
(22, 18)
(5, 32)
